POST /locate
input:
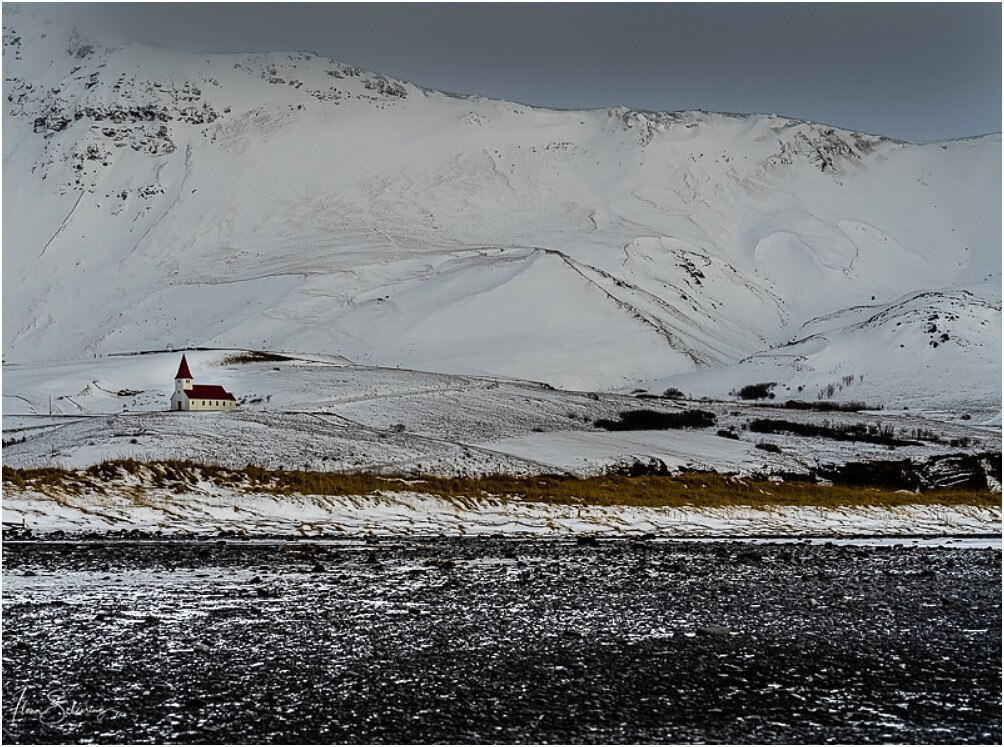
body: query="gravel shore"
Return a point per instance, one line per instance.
(499, 640)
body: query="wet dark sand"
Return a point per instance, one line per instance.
(492, 640)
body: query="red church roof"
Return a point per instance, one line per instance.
(207, 391)
(183, 372)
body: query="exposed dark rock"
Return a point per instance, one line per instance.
(589, 644)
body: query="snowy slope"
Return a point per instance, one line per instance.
(157, 198)
(330, 416)
(926, 350)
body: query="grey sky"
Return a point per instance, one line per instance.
(912, 71)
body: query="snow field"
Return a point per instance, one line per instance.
(402, 514)
(304, 413)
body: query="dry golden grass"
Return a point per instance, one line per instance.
(685, 489)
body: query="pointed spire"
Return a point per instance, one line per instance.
(183, 372)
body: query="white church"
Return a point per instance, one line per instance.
(202, 397)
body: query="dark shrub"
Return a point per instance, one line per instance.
(673, 393)
(254, 356)
(650, 420)
(757, 391)
(729, 434)
(828, 406)
(876, 434)
(638, 468)
(772, 448)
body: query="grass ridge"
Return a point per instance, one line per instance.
(693, 489)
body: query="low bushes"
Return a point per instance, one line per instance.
(254, 356)
(637, 468)
(757, 391)
(875, 434)
(827, 406)
(650, 420)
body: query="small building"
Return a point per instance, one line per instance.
(201, 397)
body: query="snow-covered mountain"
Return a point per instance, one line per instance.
(157, 198)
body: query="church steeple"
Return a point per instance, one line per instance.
(183, 372)
(183, 379)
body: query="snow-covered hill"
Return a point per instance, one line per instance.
(157, 198)
(330, 416)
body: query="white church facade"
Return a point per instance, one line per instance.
(202, 397)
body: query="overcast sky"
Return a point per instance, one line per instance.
(912, 71)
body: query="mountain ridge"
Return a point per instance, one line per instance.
(287, 201)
